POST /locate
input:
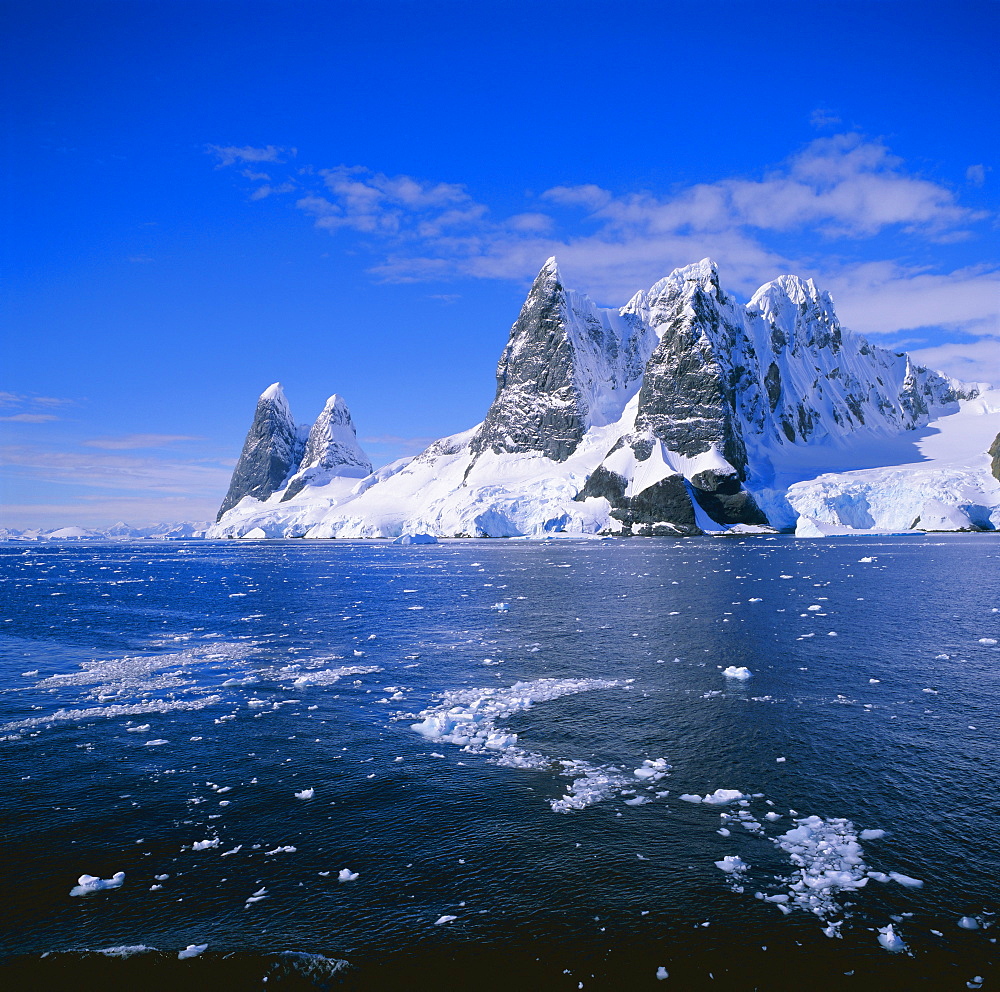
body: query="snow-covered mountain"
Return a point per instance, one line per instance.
(682, 412)
(179, 531)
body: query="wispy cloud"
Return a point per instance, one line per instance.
(975, 175)
(30, 418)
(117, 473)
(823, 118)
(26, 399)
(231, 154)
(129, 442)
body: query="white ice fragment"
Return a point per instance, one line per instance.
(966, 922)
(780, 760)
(305, 794)
(191, 951)
(444, 919)
(90, 883)
(287, 849)
(987, 640)
(204, 845)
(722, 796)
(872, 834)
(723, 832)
(910, 883)
(346, 875)
(661, 973)
(741, 673)
(155, 743)
(732, 863)
(689, 797)
(890, 940)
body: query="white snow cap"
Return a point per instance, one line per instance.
(275, 395)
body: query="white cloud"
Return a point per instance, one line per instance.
(231, 154)
(973, 361)
(975, 175)
(30, 418)
(130, 442)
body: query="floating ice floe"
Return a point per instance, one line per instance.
(469, 718)
(192, 951)
(718, 798)
(829, 860)
(732, 864)
(305, 794)
(204, 845)
(444, 919)
(661, 973)
(416, 539)
(966, 922)
(890, 940)
(732, 672)
(346, 875)
(86, 884)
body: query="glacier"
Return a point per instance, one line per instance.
(683, 412)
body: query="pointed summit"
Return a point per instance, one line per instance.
(332, 450)
(270, 453)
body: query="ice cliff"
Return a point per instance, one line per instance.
(682, 412)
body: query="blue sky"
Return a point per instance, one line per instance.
(204, 198)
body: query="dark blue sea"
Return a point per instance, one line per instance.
(713, 763)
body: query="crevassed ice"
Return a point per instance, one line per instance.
(470, 718)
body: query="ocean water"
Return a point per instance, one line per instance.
(485, 764)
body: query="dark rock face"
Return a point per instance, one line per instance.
(662, 510)
(537, 405)
(688, 396)
(724, 500)
(271, 452)
(995, 453)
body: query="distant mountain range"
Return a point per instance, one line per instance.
(683, 412)
(187, 530)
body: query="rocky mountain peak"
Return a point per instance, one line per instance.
(271, 452)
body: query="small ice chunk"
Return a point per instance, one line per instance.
(444, 919)
(191, 951)
(722, 796)
(724, 832)
(910, 883)
(966, 922)
(732, 863)
(987, 640)
(689, 797)
(90, 883)
(741, 673)
(287, 849)
(871, 834)
(155, 743)
(890, 940)
(305, 794)
(661, 973)
(346, 875)
(780, 760)
(204, 845)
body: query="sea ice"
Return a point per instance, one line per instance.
(723, 796)
(661, 973)
(191, 951)
(966, 922)
(444, 919)
(305, 794)
(890, 940)
(910, 883)
(90, 883)
(732, 672)
(732, 864)
(204, 845)
(346, 875)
